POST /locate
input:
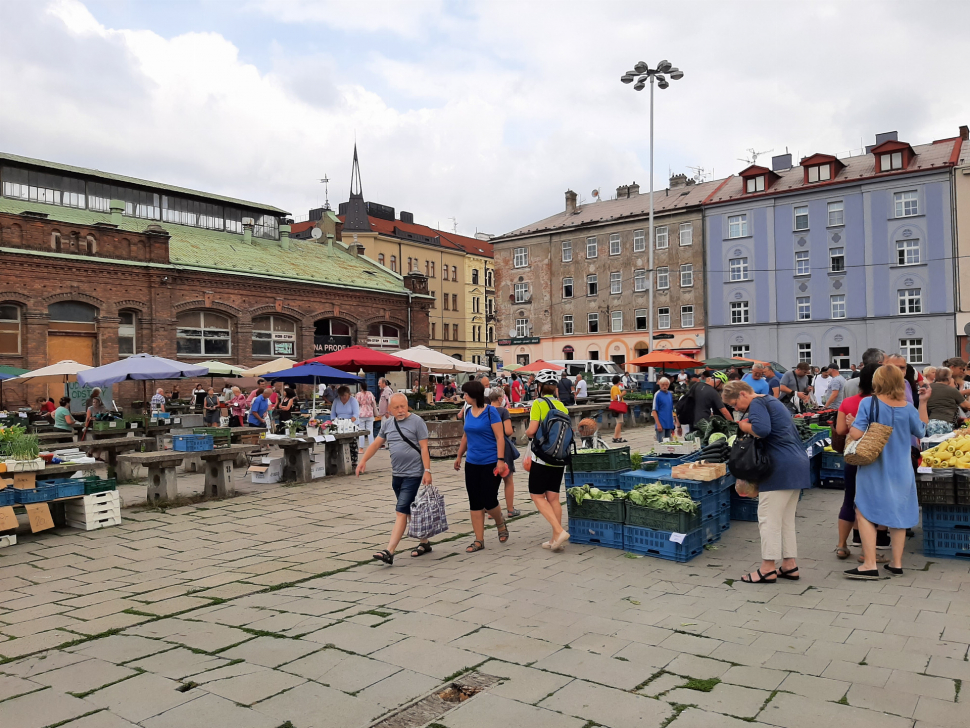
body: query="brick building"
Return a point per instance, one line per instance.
(98, 266)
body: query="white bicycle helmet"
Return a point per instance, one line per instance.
(547, 375)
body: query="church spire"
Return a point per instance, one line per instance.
(356, 219)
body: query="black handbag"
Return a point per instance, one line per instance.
(749, 459)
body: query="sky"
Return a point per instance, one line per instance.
(475, 116)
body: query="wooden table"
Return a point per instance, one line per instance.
(64, 469)
(218, 469)
(114, 447)
(162, 480)
(340, 455)
(55, 436)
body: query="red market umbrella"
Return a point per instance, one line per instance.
(666, 360)
(357, 358)
(538, 366)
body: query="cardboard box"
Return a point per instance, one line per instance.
(269, 470)
(40, 516)
(8, 519)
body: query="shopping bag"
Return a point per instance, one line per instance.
(428, 514)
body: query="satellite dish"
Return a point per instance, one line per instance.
(316, 233)
(512, 333)
(596, 193)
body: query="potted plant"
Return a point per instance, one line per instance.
(23, 453)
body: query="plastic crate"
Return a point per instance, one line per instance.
(937, 488)
(831, 473)
(37, 494)
(99, 485)
(70, 488)
(700, 488)
(602, 479)
(617, 458)
(833, 461)
(7, 497)
(743, 509)
(597, 533)
(594, 510)
(661, 520)
(108, 425)
(949, 542)
(650, 542)
(832, 483)
(191, 443)
(724, 519)
(957, 517)
(961, 481)
(221, 436)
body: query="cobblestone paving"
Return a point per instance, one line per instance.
(264, 611)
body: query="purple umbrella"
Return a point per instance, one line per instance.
(139, 366)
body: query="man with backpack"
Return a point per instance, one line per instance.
(550, 430)
(702, 401)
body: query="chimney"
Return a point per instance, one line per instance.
(887, 136)
(330, 240)
(355, 248)
(570, 202)
(247, 223)
(678, 180)
(407, 217)
(117, 208)
(285, 237)
(622, 191)
(965, 132)
(634, 190)
(780, 162)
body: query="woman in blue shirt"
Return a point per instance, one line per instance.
(484, 441)
(345, 407)
(663, 410)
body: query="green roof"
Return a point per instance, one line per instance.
(190, 247)
(122, 179)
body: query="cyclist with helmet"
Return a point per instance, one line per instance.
(545, 481)
(707, 401)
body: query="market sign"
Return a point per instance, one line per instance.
(384, 342)
(518, 341)
(662, 336)
(327, 344)
(568, 349)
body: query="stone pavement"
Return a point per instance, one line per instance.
(264, 611)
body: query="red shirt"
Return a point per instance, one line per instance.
(48, 407)
(850, 405)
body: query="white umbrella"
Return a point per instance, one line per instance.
(277, 365)
(435, 361)
(60, 372)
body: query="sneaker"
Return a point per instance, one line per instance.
(883, 540)
(856, 538)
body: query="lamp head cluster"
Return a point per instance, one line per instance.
(641, 73)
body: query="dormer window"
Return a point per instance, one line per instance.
(892, 155)
(891, 161)
(820, 173)
(755, 184)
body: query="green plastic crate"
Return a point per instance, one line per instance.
(679, 522)
(617, 458)
(99, 485)
(109, 426)
(596, 510)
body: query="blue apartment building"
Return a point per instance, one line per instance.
(820, 261)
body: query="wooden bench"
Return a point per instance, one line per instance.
(114, 447)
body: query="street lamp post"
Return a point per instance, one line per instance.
(642, 73)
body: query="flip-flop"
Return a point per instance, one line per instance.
(762, 578)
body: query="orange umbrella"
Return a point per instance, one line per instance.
(666, 360)
(538, 366)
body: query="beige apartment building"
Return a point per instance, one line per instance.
(576, 285)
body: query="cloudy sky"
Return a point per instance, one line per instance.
(485, 112)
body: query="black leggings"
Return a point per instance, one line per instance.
(482, 486)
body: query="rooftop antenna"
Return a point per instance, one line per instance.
(326, 191)
(454, 225)
(754, 155)
(700, 174)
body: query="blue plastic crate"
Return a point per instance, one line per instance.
(700, 488)
(597, 533)
(602, 479)
(191, 443)
(7, 497)
(743, 509)
(724, 519)
(832, 461)
(647, 542)
(955, 517)
(713, 504)
(831, 473)
(70, 488)
(949, 542)
(37, 494)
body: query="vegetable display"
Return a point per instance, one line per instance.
(589, 450)
(22, 447)
(636, 459)
(663, 497)
(717, 451)
(952, 453)
(714, 425)
(581, 493)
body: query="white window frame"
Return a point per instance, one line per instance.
(838, 305)
(803, 352)
(754, 184)
(640, 280)
(802, 257)
(639, 241)
(282, 342)
(663, 318)
(890, 161)
(592, 321)
(686, 233)
(572, 288)
(616, 283)
(128, 331)
(567, 251)
(520, 258)
(738, 269)
(686, 317)
(906, 204)
(592, 249)
(907, 247)
(819, 173)
(740, 350)
(638, 314)
(687, 275)
(800, 218)
(803, 308)
(616, 321)
(912, 350)
(521, 291)
(740, 312)
(738, 226)
(663, 278)
(521, 328)
(593, 280)
(833, 254)
(567, 324)
(836, 213)
(661, 238)
(910, 301)
(615, 247)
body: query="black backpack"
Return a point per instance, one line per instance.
(684, 407)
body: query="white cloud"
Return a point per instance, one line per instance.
(484, 111)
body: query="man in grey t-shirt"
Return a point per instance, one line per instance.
(406, 435)
(836, 391)
(796, 382)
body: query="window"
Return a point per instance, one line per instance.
(489, 277)
(820, 173)
(427, 268)
(802, 267)
(686, 233)
(663, 278)
(434, 303)
(738, 226)
(521, 327)
(686, 275)
(454, 271)
(803, 308)
(614, 243)
(394, 263)
(640, 316)
(409, 264)
(474, 276)
(444, 272)
(912, 349)
(9, 329)
(910, 300)
(444, 299)
(522, 359)
(476, 304)
(591, 287)
(454, 332)
(837, 260)
(804, 352)
(567, 287)
(836, 213)
(838, 306)
(755, 184)
(444, 327)
(590, 247)
(891, 161)
(126, 333)
(616, 321)
(738, 269)
(686, 317)
(274, 336)
(380, 259)
(801, 217)
(434, 330)
(639, 241)
(663, 318)
(432, 269)
(567, 324)
(491, 334)
(741, 350)
(454, 301)
(907, 252)
(906, 204)
(521, 292)
(616, 283)
(520, 258)
(739, 312)
(383, 336)
(567, 251)
(593, 323)
(660, 235)
(202, 333)
(640, 280)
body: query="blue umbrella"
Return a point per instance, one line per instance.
(139, 366)
(313, 374)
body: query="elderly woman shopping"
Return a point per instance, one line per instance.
(769, 420)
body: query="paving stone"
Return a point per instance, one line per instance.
(355, 638)
(797, 663)
(688, 643)
(255, 686)
(315, 706)
(398, 689)
(339, 670)
(596, 668)
(894, 660)
(270, 651)
(104, 624)
(815, 687)
(486, 709)
(795, 711)
(430, 627)
(937, 712)
(932, 687)
(42, 708)
(33, 643)
(697, 667)
(641, 655)
(427, 657)
(505, 646)
(949, 667)
(290, 624)
(197, 635)
(84, 676)
(607, 706)
(11, 686)
(696, 718)
(178, 663)
(852, 673)
(724, 698)
(211, 711)
(121, 648)
(101, 719)
(140, 697)
(754, 677)
(882, 699)
(662, 684)
(525, 684)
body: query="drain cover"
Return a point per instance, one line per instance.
(443, 699)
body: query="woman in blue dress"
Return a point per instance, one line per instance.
(663, 410)
(886, 490)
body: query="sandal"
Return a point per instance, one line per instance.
(880, 559)
(762, 578)
(842, 552)
(791, 574)
(475, 546)
(503, 532)
(386, 556)
(514, 513)
(620, 439)
(421, 550)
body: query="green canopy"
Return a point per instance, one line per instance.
(511, 367)
(718, 362)
(12, 371)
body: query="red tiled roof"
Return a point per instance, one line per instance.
(299, 227)
(472, 246)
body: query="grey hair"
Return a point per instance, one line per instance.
(758, 368)
(872, 356)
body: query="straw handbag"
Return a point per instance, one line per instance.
(867, 448)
